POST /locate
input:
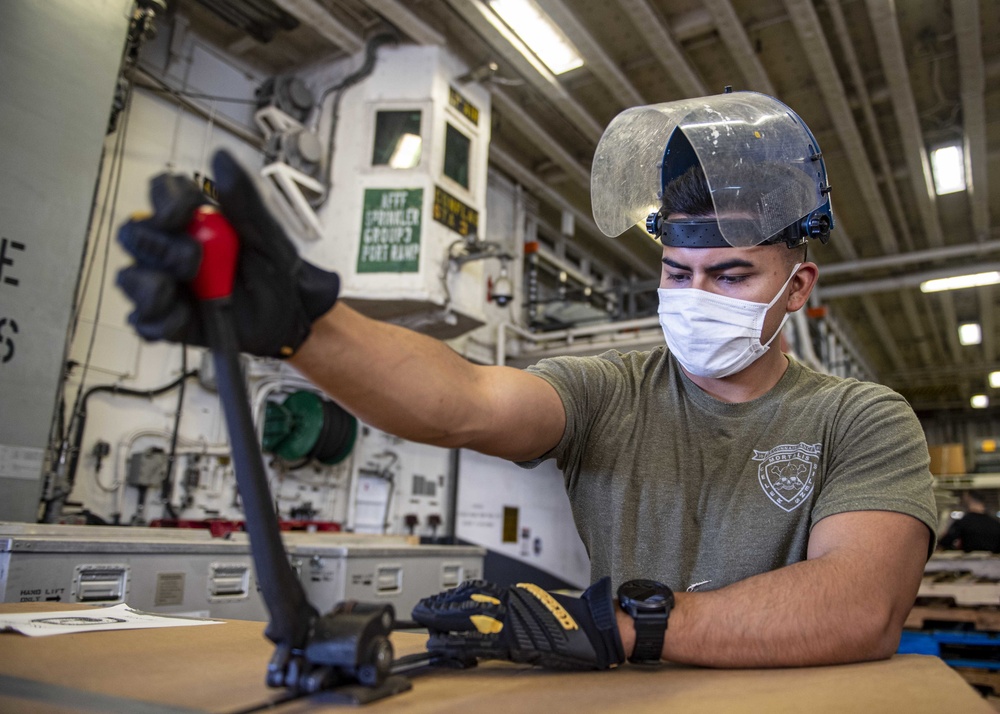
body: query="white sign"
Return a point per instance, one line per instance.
(21, 462)
(119, 617)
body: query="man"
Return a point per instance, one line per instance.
(975, 529)
(795, 507)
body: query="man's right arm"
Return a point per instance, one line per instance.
(397, 380)
(418, 388)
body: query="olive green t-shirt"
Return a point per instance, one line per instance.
(666, 482)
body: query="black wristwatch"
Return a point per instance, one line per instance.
(649, 603)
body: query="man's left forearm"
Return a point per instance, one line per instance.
(845, 605)
(774, 620)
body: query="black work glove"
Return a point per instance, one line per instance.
(523, 624)
(276, 296)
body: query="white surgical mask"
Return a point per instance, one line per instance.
(714, 335)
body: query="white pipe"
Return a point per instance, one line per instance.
(911, 280)
(892, 261)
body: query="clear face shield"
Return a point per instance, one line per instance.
(764, 170)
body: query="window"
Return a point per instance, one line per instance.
(456, 156)
(397, 139)
(948, 167)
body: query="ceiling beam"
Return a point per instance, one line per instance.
(882, 15)
(311, 13)
(692, 24)
(923, 339)
(734, 36)
(595, 58)
(408, 23)
(513, 112)
(860, 89)
(883, 332)
(817, 52)
(668, 53)
(973, 83)
(644, 265)
(988, 321)
(947, 302)
(498, 36)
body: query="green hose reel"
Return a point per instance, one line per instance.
(307, 426)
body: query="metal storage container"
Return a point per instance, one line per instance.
(372, 572)
(169, 575)
(187, 572)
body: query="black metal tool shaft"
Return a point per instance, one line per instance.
(291, 613)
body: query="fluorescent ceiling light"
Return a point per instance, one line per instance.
(995, 380)
(539, 33)
(406, 155)
(960, 281)
(979, 401)
(970, 333)
(948, 166)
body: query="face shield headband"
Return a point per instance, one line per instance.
(705, 233)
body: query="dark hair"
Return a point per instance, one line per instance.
(688, 194)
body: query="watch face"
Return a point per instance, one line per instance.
(646, 593)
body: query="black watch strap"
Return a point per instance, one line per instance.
(649, 603)
(649, 631)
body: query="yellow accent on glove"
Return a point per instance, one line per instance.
(478, 597)
(485, 624)
(552, 605)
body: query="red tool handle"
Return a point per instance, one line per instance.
(220, 246)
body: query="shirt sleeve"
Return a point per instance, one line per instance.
(879, 460)
(582, 385)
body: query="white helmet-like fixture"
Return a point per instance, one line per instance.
(763, 166)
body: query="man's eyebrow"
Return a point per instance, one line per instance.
(717, 268)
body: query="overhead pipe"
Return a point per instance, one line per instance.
(893, 261)
(902, 282)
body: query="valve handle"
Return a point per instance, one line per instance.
(220, 247)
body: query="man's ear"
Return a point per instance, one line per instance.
(802, 285)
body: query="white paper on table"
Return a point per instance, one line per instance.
(118, 617)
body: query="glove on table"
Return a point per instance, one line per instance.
(524, 623)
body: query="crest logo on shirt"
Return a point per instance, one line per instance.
(787, 473)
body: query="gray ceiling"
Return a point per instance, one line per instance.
(880, 83)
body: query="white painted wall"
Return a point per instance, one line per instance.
(546, 537)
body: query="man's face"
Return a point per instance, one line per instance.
(754, 274)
